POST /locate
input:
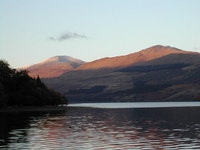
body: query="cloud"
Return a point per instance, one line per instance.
(67, 36)
(52, 38)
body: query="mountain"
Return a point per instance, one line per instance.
(131, 59)
(54, 66)
(158, 73)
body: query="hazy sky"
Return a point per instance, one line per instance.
(34, 30)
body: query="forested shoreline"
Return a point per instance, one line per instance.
(17, 88)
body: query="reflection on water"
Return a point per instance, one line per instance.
(92, 128)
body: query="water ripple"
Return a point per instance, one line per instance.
(89, 128)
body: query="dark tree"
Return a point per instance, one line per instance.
(17, 88)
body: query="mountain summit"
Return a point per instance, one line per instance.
(64, 59)
(54, 66)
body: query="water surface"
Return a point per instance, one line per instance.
(99, 128)
(138, 105)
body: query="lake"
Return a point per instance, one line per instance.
(104, 126)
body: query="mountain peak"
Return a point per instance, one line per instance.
(54, 66)
(66, 59)
(161, 48)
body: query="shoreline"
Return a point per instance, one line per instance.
(34, 109)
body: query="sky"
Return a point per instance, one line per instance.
(34, 30)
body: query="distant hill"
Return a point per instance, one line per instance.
(54, 66)
(131, 59)
(158, 73)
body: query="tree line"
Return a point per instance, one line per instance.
(17, 88)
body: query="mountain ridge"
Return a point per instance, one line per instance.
(58, 65)
(131, 59)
